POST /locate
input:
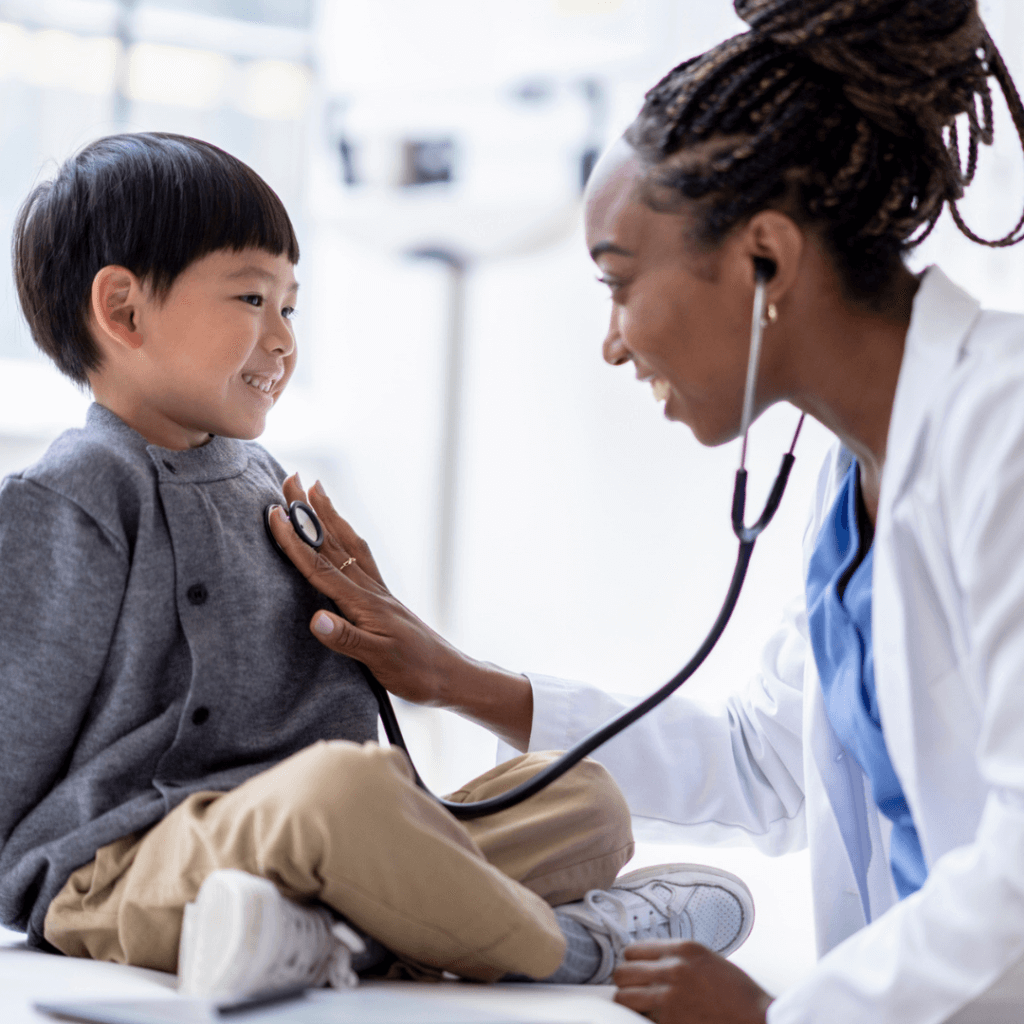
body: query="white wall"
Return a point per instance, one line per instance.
(593, 538)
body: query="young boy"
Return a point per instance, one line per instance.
(173, 738)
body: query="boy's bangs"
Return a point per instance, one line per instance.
(203, 200)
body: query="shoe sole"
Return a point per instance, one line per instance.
(699, 874)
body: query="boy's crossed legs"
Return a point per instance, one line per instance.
(346, 824)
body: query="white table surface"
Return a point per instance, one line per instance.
(778, 954)
(27, 976)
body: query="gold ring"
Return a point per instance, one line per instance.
(345, 565)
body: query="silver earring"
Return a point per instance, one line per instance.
(772, 315)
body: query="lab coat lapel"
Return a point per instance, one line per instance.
(942, 317)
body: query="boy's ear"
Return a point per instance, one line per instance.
(116, 300)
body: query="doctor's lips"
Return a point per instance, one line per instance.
(659, 386)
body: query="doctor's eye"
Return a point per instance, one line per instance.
(613, 284)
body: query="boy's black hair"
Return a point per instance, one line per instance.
(151, 202)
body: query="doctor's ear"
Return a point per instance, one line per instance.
(115, 305)
(774, 244)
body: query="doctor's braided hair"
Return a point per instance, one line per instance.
(842, 113)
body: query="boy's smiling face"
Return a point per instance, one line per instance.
(210, 357)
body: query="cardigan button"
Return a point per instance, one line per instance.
(200, 715)
(197, 594)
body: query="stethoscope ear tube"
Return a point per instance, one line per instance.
(739, 499)
(746, 535)
(312, 534)
(590, 743)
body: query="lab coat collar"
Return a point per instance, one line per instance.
(219, 459)
(942, 317)
(941, 322)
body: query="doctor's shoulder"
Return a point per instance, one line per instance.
(976, 444)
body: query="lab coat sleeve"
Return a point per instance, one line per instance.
(944, 952)
(715, 773)
(62, 584)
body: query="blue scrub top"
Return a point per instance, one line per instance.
(839, 619)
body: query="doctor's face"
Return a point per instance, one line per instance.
(680, 313)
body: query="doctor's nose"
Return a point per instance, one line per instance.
(613, 350)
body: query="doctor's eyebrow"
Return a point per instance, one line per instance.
(602, 247)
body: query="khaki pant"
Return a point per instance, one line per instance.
(345, 824)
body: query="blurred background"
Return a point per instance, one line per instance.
(520, 495)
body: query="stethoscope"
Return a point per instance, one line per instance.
(306, 524)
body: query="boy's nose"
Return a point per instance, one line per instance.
(281, 339)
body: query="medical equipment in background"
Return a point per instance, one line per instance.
(458, 176)
(308, 527)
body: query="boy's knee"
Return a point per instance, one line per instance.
(588, 783)
(604, 790)
(337, 773)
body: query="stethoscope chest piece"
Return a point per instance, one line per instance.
(304, 521)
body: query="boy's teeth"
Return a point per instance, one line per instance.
(257, 382)
(661, 389)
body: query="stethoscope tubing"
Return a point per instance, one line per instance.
(586, 746)
(747, 536)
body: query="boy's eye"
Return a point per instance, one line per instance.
(289, 312)
(253, 300)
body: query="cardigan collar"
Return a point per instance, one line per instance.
(219, 459)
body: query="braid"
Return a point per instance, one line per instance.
(845, 109)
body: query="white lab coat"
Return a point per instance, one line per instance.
(948, 629)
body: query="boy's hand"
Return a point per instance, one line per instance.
(685, 983)
(407, 656)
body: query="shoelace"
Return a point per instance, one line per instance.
(306, 946)
(626, 925)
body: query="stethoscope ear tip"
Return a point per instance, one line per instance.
(764, 269)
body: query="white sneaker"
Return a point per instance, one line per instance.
(670, 901)
(242, 936)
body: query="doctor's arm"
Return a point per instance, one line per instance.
(714, 770)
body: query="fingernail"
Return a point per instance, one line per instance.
(322, 624)
(318, 488)
(298, 480)
(280, 513)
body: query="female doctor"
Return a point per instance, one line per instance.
(885, 728)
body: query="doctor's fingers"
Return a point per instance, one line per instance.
(321, 569)
(650, 1000)
(406, 656)
(341, 542)
(689, 983)
(340, 536)
(293, 489)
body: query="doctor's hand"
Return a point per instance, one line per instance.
(406, 656)
(372, 626)
(685, 983)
